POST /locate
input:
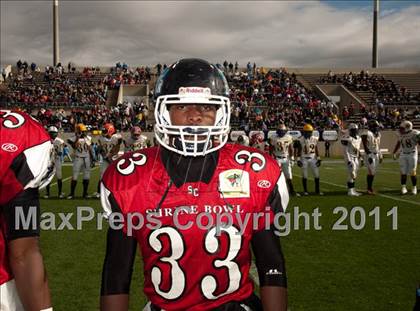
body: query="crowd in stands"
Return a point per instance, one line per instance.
(385, 91)
(57, 87)
(121, 73)
(263, 98)
(123, 116)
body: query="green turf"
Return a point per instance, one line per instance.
(363, 269)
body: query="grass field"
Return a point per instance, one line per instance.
(328, 269)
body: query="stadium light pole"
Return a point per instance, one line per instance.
(375, 34)
(56, 34)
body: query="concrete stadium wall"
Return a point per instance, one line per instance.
(388, 141)
(346, 97)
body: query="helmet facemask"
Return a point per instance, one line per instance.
(192, 140)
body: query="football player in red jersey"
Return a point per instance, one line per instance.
(25, 166)
(191, 174)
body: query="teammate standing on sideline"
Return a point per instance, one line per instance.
(25, 166)
(58, 144)
(282, 149)
(194, 268)
(408, 141)
(83, 159)
(136, 140)
(308, 157)
(108, 147)
(351, 142)
(371, 139)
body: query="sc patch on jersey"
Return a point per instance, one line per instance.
(234, 183)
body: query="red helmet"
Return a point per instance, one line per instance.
(257, 138)
(108, 129)
(135, 131)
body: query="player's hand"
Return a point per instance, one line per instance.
(299, 163)
(92, 164)
(394, 156)
(318, 162)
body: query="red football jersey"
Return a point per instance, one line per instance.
(25, 149)
(189, 262)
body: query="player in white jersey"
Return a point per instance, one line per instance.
(371, 138)
(281, 147)
(308, 157)
(136, 140)
(83, 159)
(408, 141)
(257, 141)
(108, 147)
(351, 142)
(58, 144)
(242, 140)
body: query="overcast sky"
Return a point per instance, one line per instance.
(280, 33)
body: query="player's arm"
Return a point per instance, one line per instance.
(91, 155)
(115, 149)
(365, 144)
(318, 158)
(73, 143)
(298, 152)
(25, 258)
(269, 257)
(117, 271)
(396, 148)
(119, 259)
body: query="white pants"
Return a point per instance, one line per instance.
(286, 167)
(408, 163)
(9, 298)
(311, 164)
(372, 163)
(353, 166)
(58, 168)
(81, 165)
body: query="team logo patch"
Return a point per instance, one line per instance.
(264, 184)
(234, 183)
(9, 147)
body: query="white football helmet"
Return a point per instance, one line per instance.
(406, 126)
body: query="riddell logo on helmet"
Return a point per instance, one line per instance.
(194, 90)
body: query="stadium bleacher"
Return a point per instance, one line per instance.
(261, 98)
